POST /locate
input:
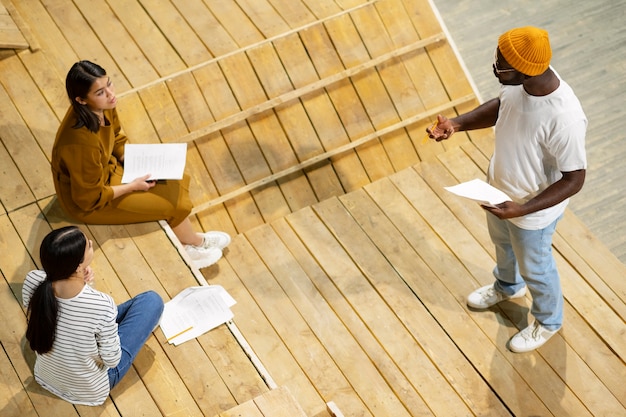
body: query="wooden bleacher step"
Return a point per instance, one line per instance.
(278, 402)
(11, 36)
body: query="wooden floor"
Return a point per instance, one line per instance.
(349, 262)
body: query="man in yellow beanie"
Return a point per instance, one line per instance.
(539, 161)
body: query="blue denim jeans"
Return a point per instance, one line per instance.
(136, 319)
(524, 257)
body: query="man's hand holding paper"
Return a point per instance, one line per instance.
(490, 198)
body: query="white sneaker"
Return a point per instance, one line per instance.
(203, 257)
(531, 338)
(215, 240)
(487, 296)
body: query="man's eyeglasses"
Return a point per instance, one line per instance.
(495, 64)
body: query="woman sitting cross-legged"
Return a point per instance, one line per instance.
(88, 164)
(84, 343)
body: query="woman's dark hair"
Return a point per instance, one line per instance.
(61, 252)
(78, 82)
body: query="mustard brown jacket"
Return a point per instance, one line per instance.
(83, 162)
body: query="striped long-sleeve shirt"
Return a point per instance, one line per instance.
(86, 344)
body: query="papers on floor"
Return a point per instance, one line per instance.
(195, 311)
(480, 191)
(164, 161)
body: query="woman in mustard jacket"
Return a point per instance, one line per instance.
(88, 164)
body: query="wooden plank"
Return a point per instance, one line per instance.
(430, 312)
(387, 93)
(224, 42)
(306, 89)
(235, 22)
(39, 122)
(319, 106)
(265, 17)
(248, 409)
(44, 74)
(268, 128)
(366, 140)
(337, 324)
(359, 293)
(84, 42)
(279, 403)
(163, 113)
(206, 27)
(21, 24)
(106, 24)
(607, 267)
(166, 386)
(242, 143)
(431, 385)
(420, 69)
(14, 190)
(437, 177)
(47, 33)
(283, 366)
(323, 8)
(14, 400)
(332, 348)
(177, 31)
(20, 391)
(227, 356)
(25, 152)
(324, 123)
(149, 37)
(295, 121)
(607, 293)
(345, 98)
(196, 114)
(216, 151)
(10, 35)
(450, 71)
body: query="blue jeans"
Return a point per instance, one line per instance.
(524, 257)
(136, 319)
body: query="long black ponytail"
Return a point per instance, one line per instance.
(61, 251)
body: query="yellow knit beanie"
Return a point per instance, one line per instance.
(527, 49)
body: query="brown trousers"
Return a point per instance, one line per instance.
(167, 200)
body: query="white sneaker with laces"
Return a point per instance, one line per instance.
(203, 257)
(215, 240)
(487, 296)
(531, 338)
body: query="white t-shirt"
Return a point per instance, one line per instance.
(537, 138)
(86, 345)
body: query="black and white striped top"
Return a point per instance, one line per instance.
(85, 346)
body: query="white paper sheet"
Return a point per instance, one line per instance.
(195, 311)
(480, 191)
(164, 161)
